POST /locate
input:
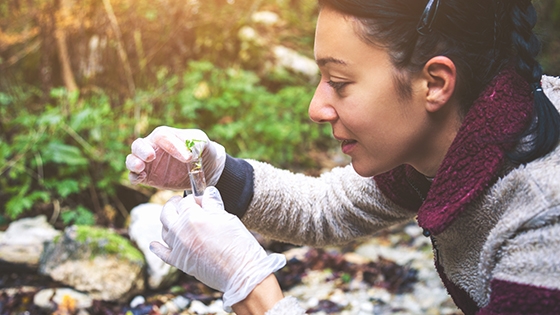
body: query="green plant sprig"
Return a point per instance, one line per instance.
(190, 145)
(191, 142)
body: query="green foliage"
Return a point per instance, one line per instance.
(250, 121)
(73, 149)
(80, 216)
(70, 147)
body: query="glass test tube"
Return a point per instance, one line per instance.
(196, 175)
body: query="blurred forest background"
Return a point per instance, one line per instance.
(81, 79)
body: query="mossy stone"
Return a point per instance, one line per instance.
(104, 241)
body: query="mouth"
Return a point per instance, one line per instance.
(347, 145)
(347, 141)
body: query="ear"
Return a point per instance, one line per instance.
(441, 75)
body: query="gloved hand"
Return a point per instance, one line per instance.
(159, 160)
(214, 246)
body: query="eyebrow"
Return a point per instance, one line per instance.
(323, 61)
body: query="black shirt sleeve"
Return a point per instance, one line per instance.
(236, 185)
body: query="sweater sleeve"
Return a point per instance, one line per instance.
(334, 208)
(526, 279)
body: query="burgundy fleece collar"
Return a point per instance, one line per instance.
(489, 130)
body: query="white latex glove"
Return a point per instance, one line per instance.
(214, 246)
(159, 160)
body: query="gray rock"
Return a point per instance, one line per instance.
(23, 241)
(145, 227)
(97, 261)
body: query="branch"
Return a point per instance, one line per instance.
(34, 46)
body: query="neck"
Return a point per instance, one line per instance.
(444, 126)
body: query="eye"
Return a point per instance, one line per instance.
(337, 86)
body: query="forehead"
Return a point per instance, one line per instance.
(337, 40)
(332, 28)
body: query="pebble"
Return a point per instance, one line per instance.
(198, 307)
(175, 305)
(137, 301)
(217, 308)
(48, 299)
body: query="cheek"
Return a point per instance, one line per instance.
(375, 112)
(379, 124)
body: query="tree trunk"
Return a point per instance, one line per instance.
(47, 51)
(120, 46)
(63, 55)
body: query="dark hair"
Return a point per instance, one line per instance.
(479, 36)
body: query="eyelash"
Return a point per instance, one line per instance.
(337, 86)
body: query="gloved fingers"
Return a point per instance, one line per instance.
(169, 218)
(159, 159)
(212, 200)
(164, 232)
(173, 145)
(168, 236)
(136, 178)
(160, 250)
(134, 164)
(143, 149)
(169, 214)
(186, 204)
(214, 159)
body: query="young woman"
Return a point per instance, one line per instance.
(447, 118)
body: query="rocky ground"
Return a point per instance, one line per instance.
(391, 273)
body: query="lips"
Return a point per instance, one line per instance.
(348, 145)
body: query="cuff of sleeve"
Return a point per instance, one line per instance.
(236, 186)
(287, 306)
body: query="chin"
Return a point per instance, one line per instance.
(364, 172)
(369, 170)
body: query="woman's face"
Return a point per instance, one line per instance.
(378, 128)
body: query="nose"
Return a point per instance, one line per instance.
(320, 109)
